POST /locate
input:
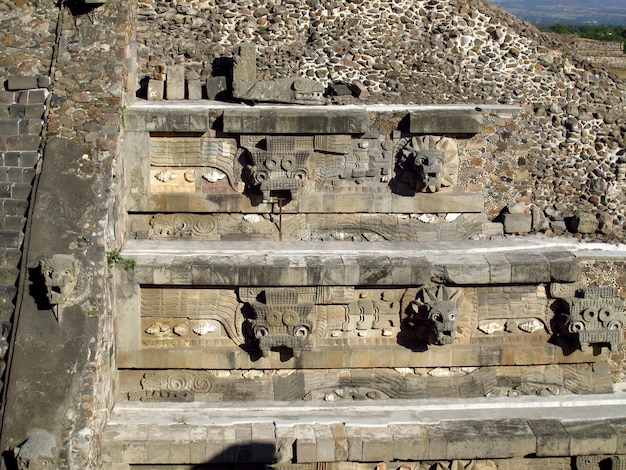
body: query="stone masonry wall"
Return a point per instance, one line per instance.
(25, 60)
(86, 80)
(425, 52)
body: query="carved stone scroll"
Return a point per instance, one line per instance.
(596, 317)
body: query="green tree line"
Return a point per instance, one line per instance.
(597, 32)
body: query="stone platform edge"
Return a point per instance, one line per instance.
(345, 263)
(412, 430)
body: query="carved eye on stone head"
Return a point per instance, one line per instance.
(436, 316)
(451, 316)
(299, 84)
(45, 462)
(301, 331)
(261, 331)
(48, 272)
(576, 327)
(615, 325)
(271, 163)
(24, 464)
(287, 163)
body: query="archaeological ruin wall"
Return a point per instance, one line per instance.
(287, 236)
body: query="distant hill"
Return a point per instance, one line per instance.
(609, 12)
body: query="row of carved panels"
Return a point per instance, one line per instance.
(306, 318)
(308, 227)
(288, 165)
(361, 384)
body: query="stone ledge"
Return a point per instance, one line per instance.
(409, 429)
(342, 263)
(368, 203)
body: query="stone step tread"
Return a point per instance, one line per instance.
(452, 429)
(351, 263)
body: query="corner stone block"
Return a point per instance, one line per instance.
(155, 90)
(551, 437)
(377, 444)
(355, 443)
(306, 445)
(590, 438)
(619, 428)
(325, 443)
(263, 442)
(564, 266)
(410, 442)
(175, 84)
(528, 268)
(442, 121)
(340, 438)
(488, 439)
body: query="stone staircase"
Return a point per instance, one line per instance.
(22, 107)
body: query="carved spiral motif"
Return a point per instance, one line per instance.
(177, 382)
(202, 383)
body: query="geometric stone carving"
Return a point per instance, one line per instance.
(60, 274)
(438, 309)
(283, 318)
(596, 317)
(38, 452)
(427, 164)
(597, 462)
(278, 164)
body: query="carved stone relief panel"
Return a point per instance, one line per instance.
(513, 310)
(296, 164)
(39, 452)
(278, 163)
(597, 462)
(177, 317)
(305, 227)
(283, 317)
(187, 164)
(359, 384)
(426, 164)
(596, 316)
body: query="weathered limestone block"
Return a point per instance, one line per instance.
(175, 83)
(488, 438)
(295, 121)
(517, 223)
(552, 438)
(447, 122)
(156, 89)
(588, 438)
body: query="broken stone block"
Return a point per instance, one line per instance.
(194, 90)
(517, 223)
(584, 222)
(155, 90)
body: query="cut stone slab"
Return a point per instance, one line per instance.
(447, 122)
(295, 120)
(175, 84)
